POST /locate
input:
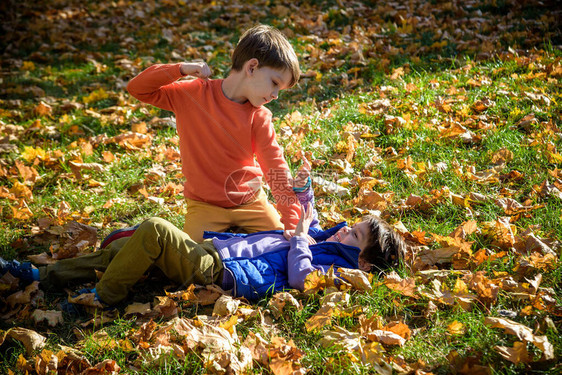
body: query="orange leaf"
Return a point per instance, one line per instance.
(21, 211)
(400, 329)
(43, 109)
(321, 319)
(139, 127)
(456, 328)
(108, 156)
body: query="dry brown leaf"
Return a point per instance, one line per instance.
(341, 338)
(137, 309)
(258, 348)
(46, 362)
(226, 305)
(281, 301)
(23, 297)
(8, 283)
(465, 229)
(482, 105)
(76, 237)
(385, 337)
(185, 295)
(207, 296)
(51, 316)
(523, 333)
(372, 353)
(77, 167)
(285, 357)
(31, 340)
(368, 324)
(321, 319)
(145, 331)
(108, 157)
(85, 299)
(372, 200)
(406, 286)
(358, 279)
(42, 258)
(165, 307)
(139, 127)
(106, 367)
(487, 289)
(72, 360)
(469, 365)
(517, 354)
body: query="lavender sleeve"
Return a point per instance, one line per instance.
(305, 197)
(300, 261)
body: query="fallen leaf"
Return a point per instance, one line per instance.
(400, 329)
(31, 340)
(46, 362)
(225, 305)
(385, 337)
(523, 333)
(517, 354)
(108, 366)
(360, 280)
(281, 302)
(341, 338)
(52, 317)
(137, 309)
(406, 286)
(456, 328)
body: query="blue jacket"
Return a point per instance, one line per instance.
(269, 272)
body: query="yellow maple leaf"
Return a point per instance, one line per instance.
(29, 153)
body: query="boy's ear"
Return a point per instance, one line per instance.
(252, 65)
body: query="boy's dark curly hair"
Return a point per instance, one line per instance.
(386, 246)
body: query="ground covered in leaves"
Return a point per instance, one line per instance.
(443, 117)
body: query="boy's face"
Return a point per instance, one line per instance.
(357, 235)
(265, 84)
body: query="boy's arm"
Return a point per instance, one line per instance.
(155, 85)
(300, 256)
(305, 198)
(300, 262)
(302, 186)
(275, 169)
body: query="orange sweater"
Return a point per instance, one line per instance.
(218, 141)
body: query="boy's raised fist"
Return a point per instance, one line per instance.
(198, 69)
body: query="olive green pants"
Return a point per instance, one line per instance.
(156, 242)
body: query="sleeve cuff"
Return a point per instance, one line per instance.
(305, 187)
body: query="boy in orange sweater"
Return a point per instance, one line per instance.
(222, 124)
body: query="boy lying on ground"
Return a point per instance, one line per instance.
(251, 265)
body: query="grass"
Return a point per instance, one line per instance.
(440, 87)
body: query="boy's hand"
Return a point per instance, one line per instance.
(289, 233)
(304, 222)
(303, 173)
(197, 69)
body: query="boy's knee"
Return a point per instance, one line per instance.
(158, 226)
(153, 223)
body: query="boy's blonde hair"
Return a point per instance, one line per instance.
(270, 47)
